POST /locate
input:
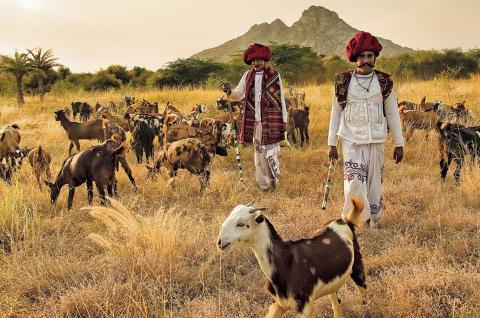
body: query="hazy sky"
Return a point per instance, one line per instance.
(88, 35)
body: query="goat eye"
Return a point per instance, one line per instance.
(240, 225)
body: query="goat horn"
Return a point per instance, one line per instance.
(251, 203)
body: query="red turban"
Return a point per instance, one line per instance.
(257, 51)
(361, 42)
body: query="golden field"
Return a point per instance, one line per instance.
(161, 261)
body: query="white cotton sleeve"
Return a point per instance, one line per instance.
(239, 91)
(282, 100)
(393, 119)
(335, 116)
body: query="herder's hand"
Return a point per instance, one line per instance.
(398, 154)
(332, 153)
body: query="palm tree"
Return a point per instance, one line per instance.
(19, 66)
(42, 62)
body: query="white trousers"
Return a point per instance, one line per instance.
(363, 176)
(267, 166)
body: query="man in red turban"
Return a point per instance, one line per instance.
(363, 107)
(264, 115)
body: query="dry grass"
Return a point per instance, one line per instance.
(160, 260)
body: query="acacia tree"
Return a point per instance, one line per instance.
(19, 66)
(42, 62)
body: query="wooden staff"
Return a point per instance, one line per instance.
(328, 184)
(235, 143)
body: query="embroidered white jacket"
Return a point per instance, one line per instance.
(362, 120)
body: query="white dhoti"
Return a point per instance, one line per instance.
(363, 176)
(267, 166)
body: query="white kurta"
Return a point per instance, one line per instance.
(267, 166)
(362, 127)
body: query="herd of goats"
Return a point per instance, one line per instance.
(190, 141)
(186, 142)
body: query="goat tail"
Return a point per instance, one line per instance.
(356, 216)
(307, 109)
(40, 150)
(15, 126)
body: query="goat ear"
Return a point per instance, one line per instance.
(251, 203)
(253, 210)
(48, 183)
(260, 218)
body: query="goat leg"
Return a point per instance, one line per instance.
(77, 145)
(275, 311)
(294, 139)
(307, 311)
(89, 191)
(446, 165)
(128, 171)
(101, 192)
(37, 176)
(49, 173)
(302, 136)
(71, 193)
(337, 310)
(204, 180)
(111, 186)
(70, 148)
(456, 174)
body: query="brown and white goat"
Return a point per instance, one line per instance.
(298, 272)
(190, 154)
(95, 164)
(210, 137)
(416, 119)
(154, 122)
(40, 160)
(9, 143)
(78, 131)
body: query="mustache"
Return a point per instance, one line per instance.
(368, 64)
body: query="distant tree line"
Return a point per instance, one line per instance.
(36, 71)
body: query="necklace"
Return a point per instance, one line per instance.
(370, 83)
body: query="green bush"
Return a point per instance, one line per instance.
(103, 81)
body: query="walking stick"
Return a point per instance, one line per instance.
(328, 184)
(235, 143)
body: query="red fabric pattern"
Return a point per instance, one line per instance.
(257, 51)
